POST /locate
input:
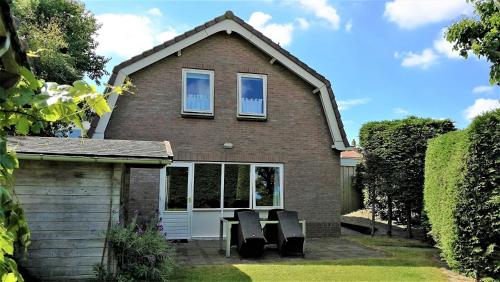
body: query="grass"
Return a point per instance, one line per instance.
(407, 260)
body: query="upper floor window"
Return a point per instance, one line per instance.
(252, 95)
(197, 92)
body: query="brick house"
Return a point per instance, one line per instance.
(251, 126)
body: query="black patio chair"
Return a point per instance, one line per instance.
(290, 236)
(271, 230)
(251, 241)
(234, 227)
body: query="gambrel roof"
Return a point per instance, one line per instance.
(230, 23)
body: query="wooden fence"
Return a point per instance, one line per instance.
(352, 200)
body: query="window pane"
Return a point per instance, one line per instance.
(177, 184)
(207, 179)
(267, 186)
(236, 186)
(252, 95)
(197, 92)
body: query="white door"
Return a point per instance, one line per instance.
(175, 201)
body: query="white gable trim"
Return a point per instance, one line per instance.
(228, 26)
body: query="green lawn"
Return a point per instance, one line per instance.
(408, 260)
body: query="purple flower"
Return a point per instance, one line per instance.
(139, 231)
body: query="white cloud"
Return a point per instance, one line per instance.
(410, 14)
(429, 56)
(303, 23)
(154, 12)
(446, 48)
(166, 35)
(400, 111)
(126, 35)
(423, 60)
(279, 33)
(347, 104)
(481, 106)
(483, 89)
(322, 10)
(348, 26)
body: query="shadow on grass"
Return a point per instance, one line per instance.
(406, 260)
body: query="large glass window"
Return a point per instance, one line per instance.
(252, 92)
(198, 91)
(177, 185)
(236, 186)
(267, 186)
(207, 185)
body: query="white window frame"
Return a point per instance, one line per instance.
(252, 201)
(252, 179)
(264, 91)
(184, 92)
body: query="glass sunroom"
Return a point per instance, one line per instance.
(195, 195)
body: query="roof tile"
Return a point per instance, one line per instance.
(109, 148)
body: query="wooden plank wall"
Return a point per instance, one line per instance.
(351, 199)
(68, 206)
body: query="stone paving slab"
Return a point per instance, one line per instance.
(206, 252)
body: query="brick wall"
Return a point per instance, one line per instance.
(143, 193)
(295, 132)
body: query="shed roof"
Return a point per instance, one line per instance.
(104, 150)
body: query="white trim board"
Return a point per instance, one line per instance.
(228, 25)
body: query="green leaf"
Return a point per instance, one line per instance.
(98, 104)
(33, 83)
(23, 96)
(23, 125)
(8, 161)
(10, 277)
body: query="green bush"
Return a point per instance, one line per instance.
(142, 253)
(444, 163)
(462, 196)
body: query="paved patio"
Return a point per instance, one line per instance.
(206, 252)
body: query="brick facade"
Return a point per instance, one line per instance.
(295, 132)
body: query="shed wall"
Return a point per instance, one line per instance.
(68, 206)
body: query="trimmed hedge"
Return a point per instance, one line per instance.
(462, 196)
(444, 165)
(394, 152)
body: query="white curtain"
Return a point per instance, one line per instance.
(198, 102)
(249, 105)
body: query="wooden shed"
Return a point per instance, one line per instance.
(72, 190)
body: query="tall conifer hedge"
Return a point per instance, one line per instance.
(462, 196)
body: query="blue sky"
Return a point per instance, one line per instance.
(385, 59)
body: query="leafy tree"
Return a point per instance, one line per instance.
(480, 34)
(27, 108)
(62, 33)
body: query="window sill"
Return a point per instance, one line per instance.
(251, 118)
(197, 115)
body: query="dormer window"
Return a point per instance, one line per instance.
(198, 92)
(252, 95)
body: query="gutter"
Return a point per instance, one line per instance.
(44, 157)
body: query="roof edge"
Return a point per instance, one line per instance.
(229, 15)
